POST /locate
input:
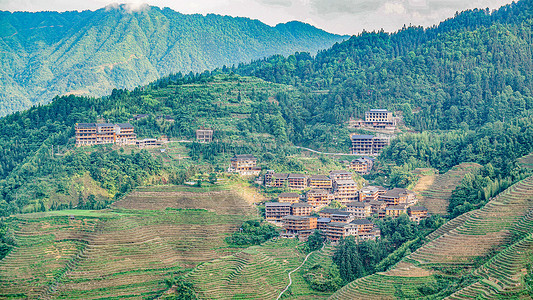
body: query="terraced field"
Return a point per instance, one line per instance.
(119, 252)
(259, 272)
(434, 191)
(503, 226)
(526, 161)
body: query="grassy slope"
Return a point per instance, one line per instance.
(116, 252)
(435, 190)
(459, 250)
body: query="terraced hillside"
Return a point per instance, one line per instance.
(526, 161)
(434, 191)
(120, 253)
(503, 226)
(259, 272)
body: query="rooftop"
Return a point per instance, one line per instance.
(280, 175)
(338, 172)
(357, 204)
(297, 176)
(125, 125)
(417, 208)
(301, 204)
(105, 125)
(361, 222)
(346, 182)
(379, 110)
(339, 224)
(277, 204)
(319, 177)
(362, 137)
(331, 210)
(288, 195)
(396, 207)
(323, 220)
(317, 192)
(297, 218)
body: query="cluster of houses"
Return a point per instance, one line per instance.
(297, 213)
(88, 134)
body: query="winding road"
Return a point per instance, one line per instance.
(290, 279)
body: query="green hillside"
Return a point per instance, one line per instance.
(83, 254)
(46, 54)
(488, 255)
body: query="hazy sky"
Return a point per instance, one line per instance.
(338, 16)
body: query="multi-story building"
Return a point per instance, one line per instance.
(395, 210)
(398, 196)
(336, 231)
(342, 216)
(276, 211)
(297, 181)
(322, 223)
(345, 191)
(289, 198)
(380, 119)
(244, 165)
(368, 144)
(104, 133)
(369, 193)
(204, 135)
(328, 212)
(361, 229)
(303, 226)
(268, 177)
(278, 179)
(359, 210)
(319, 198)
(301, 209)
(361, 165)
(340, 175)
(147, 143)
(416, 213)
(320, 182)
(377, 206)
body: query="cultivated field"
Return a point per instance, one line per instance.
(434, 191)
(504, 226)
(127, 251)
(259, 272)
(526, 161)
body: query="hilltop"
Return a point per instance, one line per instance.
(45, 54)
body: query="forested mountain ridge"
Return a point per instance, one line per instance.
(469, 70)
(46, 54)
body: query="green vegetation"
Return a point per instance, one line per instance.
(50, 53)
(251, 233)
(6, 240)
(128, 251)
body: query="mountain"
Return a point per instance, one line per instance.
(45, 54)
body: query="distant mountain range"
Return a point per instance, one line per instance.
(45, 54)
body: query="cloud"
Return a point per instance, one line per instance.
(345, 6)
(284, 3)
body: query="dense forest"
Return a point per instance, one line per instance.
(45, 54)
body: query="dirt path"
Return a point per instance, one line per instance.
(290, 279)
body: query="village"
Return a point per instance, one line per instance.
(333, 203)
